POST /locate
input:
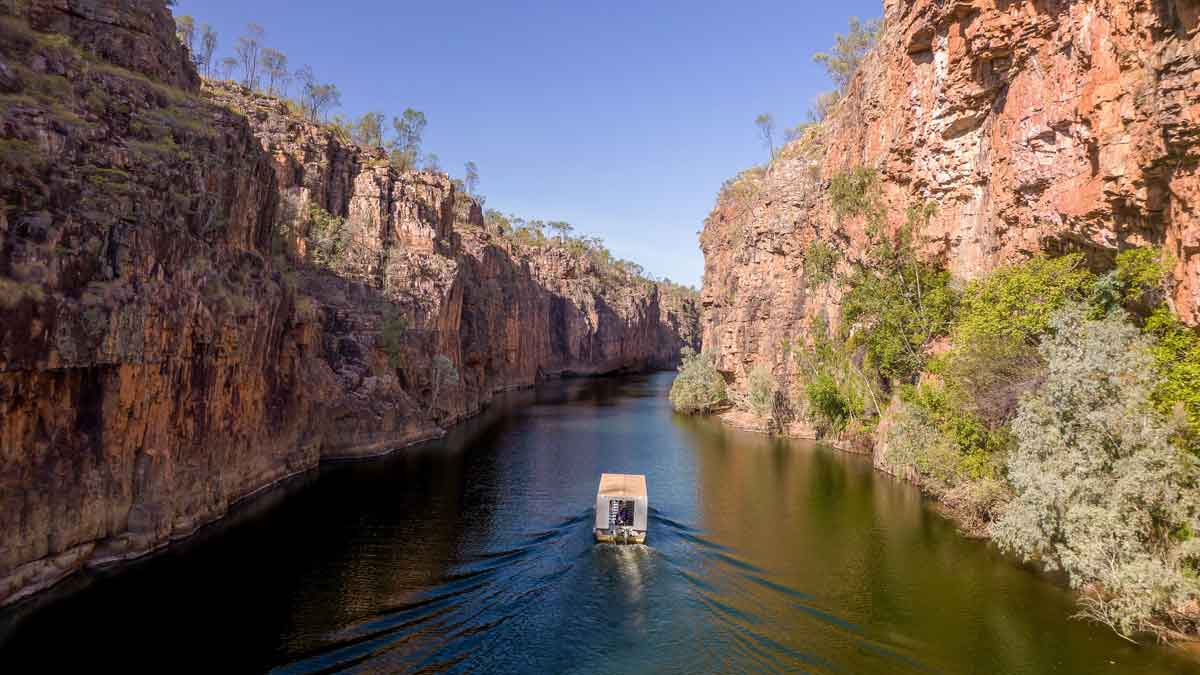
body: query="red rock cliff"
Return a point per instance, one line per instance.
(164, 349)
(1032, 126)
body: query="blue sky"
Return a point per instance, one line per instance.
(622, 118)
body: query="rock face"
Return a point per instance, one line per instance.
(1039, 126)
(165, 348)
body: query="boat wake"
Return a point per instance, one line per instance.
(555, 587)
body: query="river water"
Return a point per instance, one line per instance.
(475, 553)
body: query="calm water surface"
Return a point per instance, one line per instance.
(476, 554)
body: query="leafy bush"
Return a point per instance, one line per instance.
(1101, 492)
(1018, 301)
(976, 443)
(855, 193)
(327, 236)
(914, 440)
(760, 387)
(820, 260)
(901, 303)
(835, 388)
(843, 61)
(698, 388)
(831, 409)
(391, 338)
(1176, 354)
(1141, 272)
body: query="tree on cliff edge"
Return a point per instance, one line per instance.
(766, 128)
(843, 60)
(248, 47)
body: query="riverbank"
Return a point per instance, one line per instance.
(475, 552)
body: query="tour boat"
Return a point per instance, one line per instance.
(622, 509)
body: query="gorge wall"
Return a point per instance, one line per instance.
(166, 347)
(1031, 126)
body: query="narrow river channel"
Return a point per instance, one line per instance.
(475, 553)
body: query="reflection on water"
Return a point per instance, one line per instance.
(476, 553)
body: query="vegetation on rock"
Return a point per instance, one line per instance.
(1102, 493)
(698, 388)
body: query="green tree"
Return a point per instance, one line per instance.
(368, 130)
(901, 302)
(275, 66)
(1017, 301)
(208, 47)
(698, 387)
(564, 229)
(1101, 492)
(471, 178)
(843, 61)
(316, 98)
(442, 373)
(760, 392)
(824, 105)
(766, 128)
(185, 30)
(327, 237)
(391, 338)
(409, 127)
(247, 49)
(227, 65)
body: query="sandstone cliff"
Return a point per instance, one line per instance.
(166, 345)
(1037, 126)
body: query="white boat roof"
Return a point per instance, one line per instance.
(622, 485)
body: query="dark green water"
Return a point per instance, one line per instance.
(475, 554)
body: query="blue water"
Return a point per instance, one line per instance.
(475, 553)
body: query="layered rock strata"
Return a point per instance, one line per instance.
(1037, 126)
(167, 346)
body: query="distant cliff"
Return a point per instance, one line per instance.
(202, 294)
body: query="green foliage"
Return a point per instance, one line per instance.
(843, 60)
(698, 387)
(827, 403)
(760, 390)
(766, 128)
(1018, 301)
(855, 193)
(835, 388)
(327, 237)
(442, 373)
(977, 446)
(914, 440)
(1101, 492)
(901, 303)
(406, 148)
(391, 338)
(1176, 354)
(368, 130)
(1140, 271)
(820, 260)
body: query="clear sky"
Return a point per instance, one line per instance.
(622, 118)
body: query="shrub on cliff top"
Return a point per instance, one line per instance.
(843, 61)
(698, 387)
(1101, 492)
